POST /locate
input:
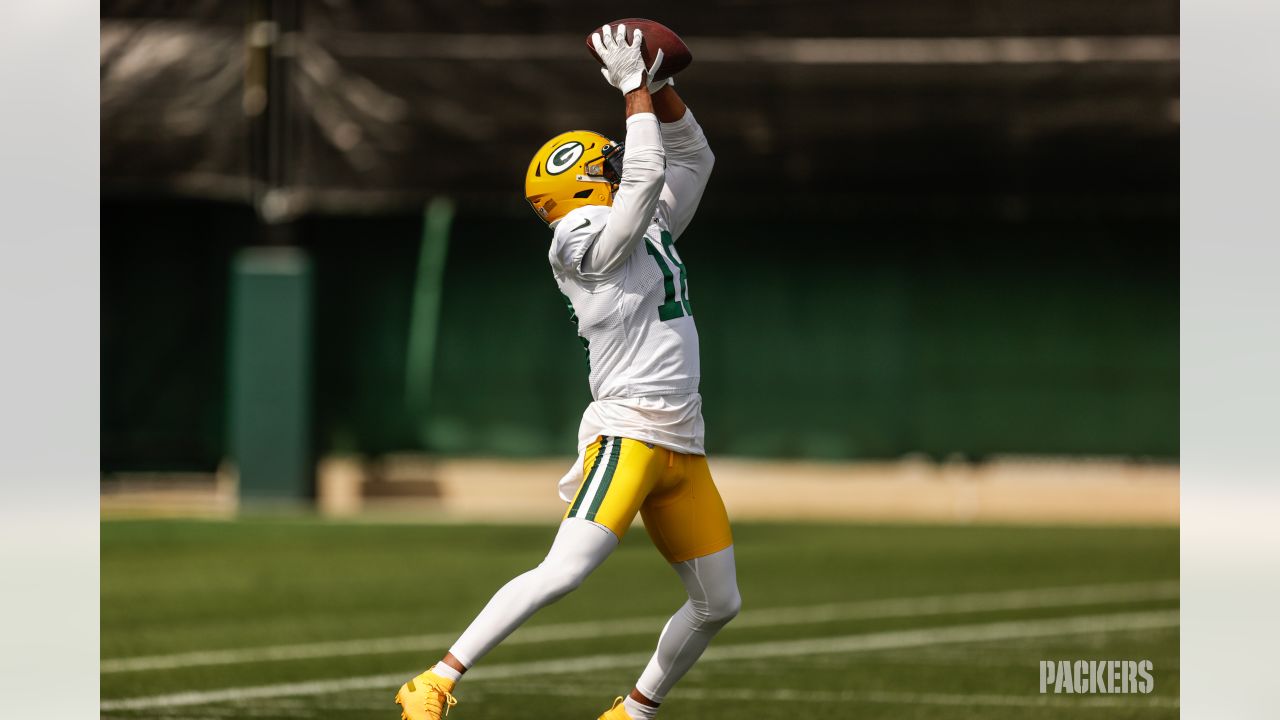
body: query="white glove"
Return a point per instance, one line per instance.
(657, 85)
(623, 64)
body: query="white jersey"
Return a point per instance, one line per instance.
(637, 321)
(628, 292)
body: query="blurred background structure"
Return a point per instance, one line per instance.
(938, 230)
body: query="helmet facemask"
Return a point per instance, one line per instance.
(607, 168)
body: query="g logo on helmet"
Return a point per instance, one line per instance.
(564, 157)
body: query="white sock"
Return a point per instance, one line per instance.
(446, 672)
(639, 711)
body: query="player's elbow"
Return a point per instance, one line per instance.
(652, 178)
(645, 167)
(708, 158)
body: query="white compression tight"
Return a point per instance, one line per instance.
(579, 548)
(712, 584)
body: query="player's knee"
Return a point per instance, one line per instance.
(718, 609)
(561, 579)
(724, 608)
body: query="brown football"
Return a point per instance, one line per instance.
(654, 36)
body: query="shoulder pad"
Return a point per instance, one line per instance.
(574, 234)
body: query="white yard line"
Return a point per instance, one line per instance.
(854, 696)
(864, 642)
(860, 610)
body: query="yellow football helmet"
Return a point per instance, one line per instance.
(571, 170)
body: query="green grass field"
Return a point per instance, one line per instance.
(297, 618)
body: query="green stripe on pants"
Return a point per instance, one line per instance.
(586, 480)
(608, 478)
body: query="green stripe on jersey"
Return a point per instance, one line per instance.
(573, 315)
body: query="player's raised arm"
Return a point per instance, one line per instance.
(689, 159)
(642, 173)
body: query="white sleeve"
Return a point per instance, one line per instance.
(689, 163)
(573, 236)
(635, 201)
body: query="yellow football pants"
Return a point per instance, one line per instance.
(673, 492)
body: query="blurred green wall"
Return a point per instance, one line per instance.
(851, 340)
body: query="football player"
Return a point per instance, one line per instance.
(614, 226)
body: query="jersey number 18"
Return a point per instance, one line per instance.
(675, 278)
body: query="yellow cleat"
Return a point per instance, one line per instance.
(617, 712)
(424, 697)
